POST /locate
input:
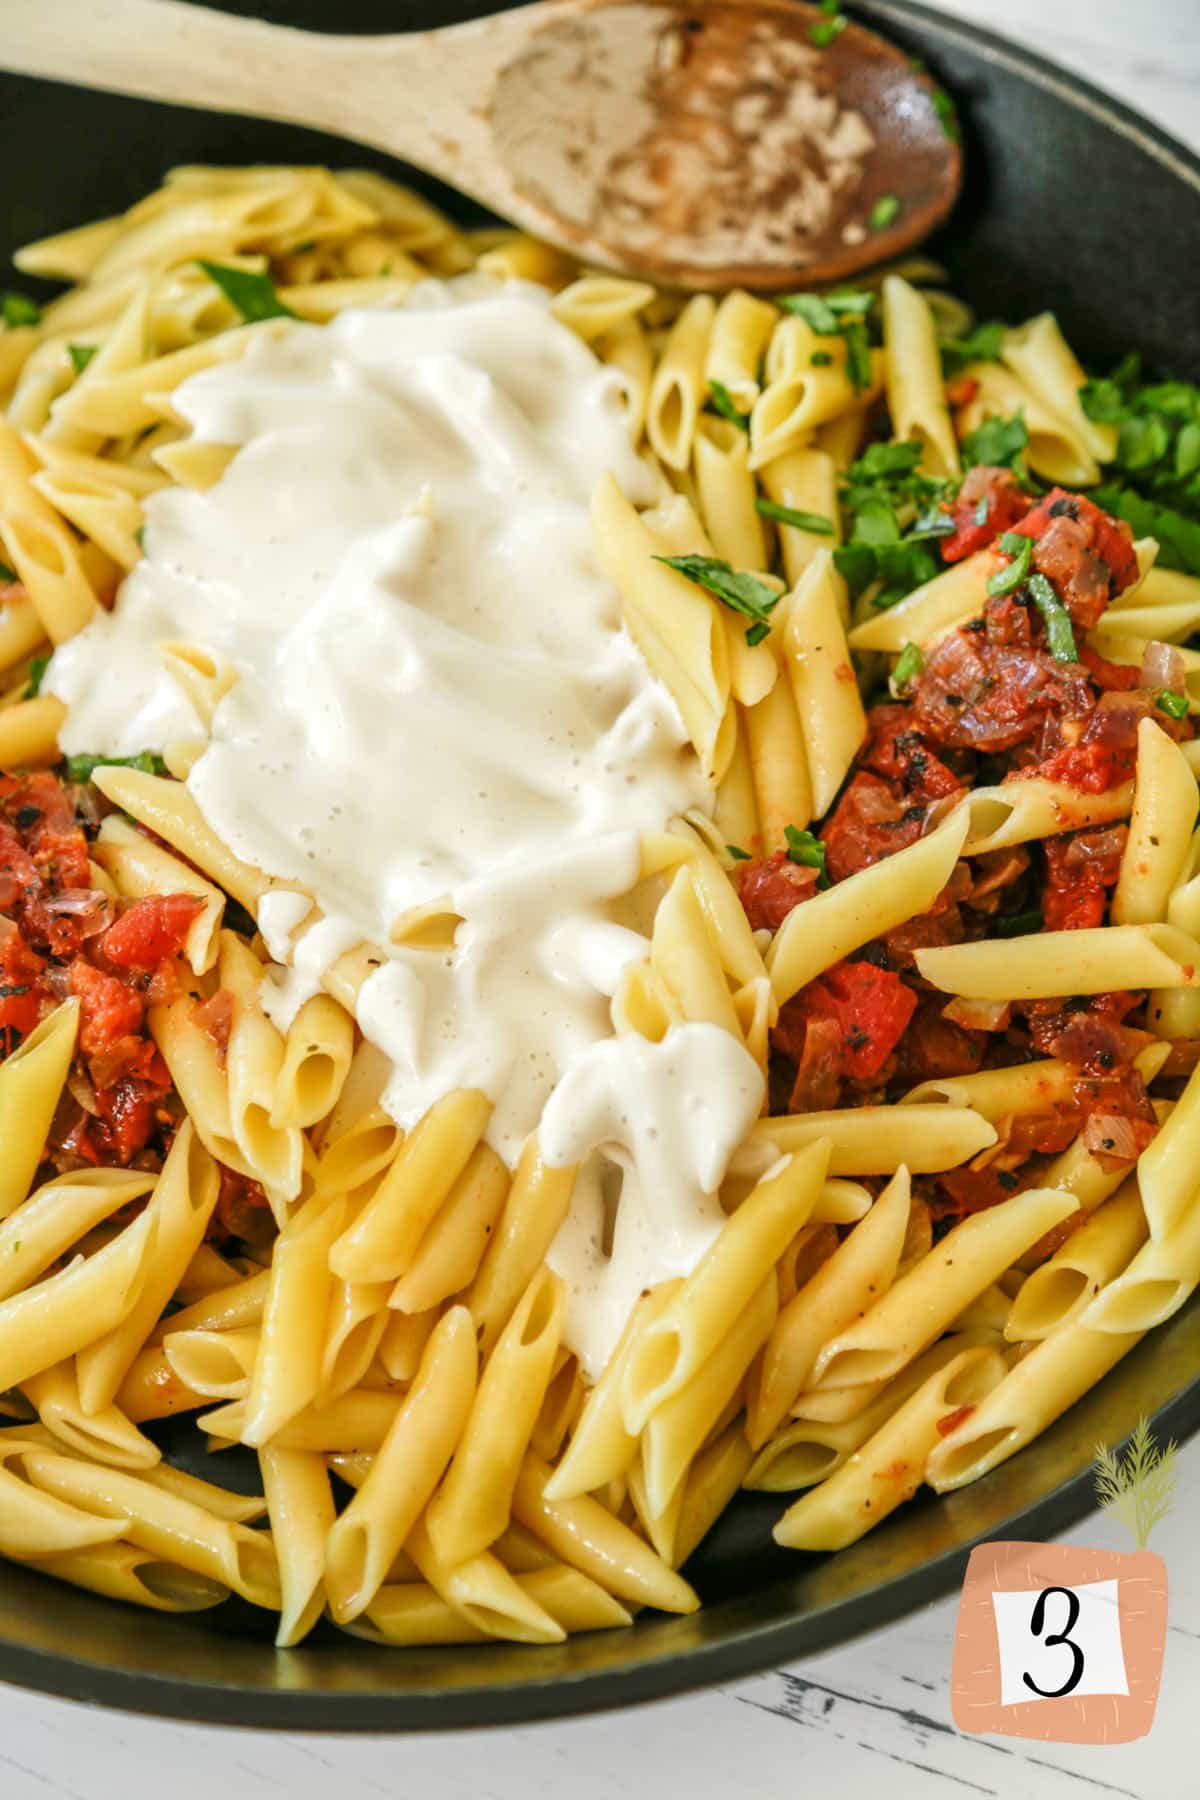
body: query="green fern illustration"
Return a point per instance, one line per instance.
(1139, 1487)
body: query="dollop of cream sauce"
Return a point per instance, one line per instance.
(437, 704)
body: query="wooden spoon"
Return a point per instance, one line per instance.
(709, 144)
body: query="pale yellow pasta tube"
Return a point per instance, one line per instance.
(676, 1430)
(660, 1528)
(40, 547)
(183, 1202)
(125, 1572)
(684, 957)
(403, 1342)
(300, 1505)
(673, 622)
(381, 1242)
(876, 1140)
(923, 1302)
(287, 1373)
(485, 1593)
(1030, 807)
(589, 1538)
(1056, 450)
(411, 1459)
(803, 394)
(596, 305)
(217, 1365)
(995, 1093)
(1161, 1277)
(123, 403)
(57, 1215)
(171, 813)
(452, 1248)
(778, 765)
(138, 867)
(34, 1523)
(1160, 829)
(1040, 355)
(1092, 1256)
(536, 1206)
(1062, 962)
(152, 1390)
(240, 1509)
(817, 659)
(1036, 1390)
(52, 1320)
(889, 1467)
(316, 1060)
(677, 391)
(29, 732)
(31, 1083)
(803, 481)
(601, 1445)
(357, 1320)
(473, 1504)
(168, 1526)
(915, 394)
(867, 905)
(20, 628)
(725, 487)
(681, 1341)
(106, 1436)
(712, 1481)
(741, 330)
(844, 1287)
(931, 610)
(238, 1307)
(253, 1063)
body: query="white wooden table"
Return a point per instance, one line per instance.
(873, 1717)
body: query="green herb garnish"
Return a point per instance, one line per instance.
(788, 515)
(884, 212)
(19, 309)
(737, 853)
(1139, 1487)
(741, 592)
(820, 359)
(721, 401)
(983, 344)
(804, 848)
(81, 355)
(909, 664)
(1174, 705)
(37, 668)
(1060, 638)
(1018, 924)
(1178, 536)
(1000, 443)
(858, 355)
(1020, 549)
(7, 575)
(932, 523)
(944, 107)
(252, 295)
(822, 34)
(81, 768)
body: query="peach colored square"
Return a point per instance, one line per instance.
(1075, 1718)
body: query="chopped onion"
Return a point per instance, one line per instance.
(90, 907)
(1162, 667)
(82, 1091)
(979, 1015)
(1111, 1137)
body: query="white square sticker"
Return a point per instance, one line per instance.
(1059, 1640)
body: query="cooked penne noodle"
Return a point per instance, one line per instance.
(677, 391)
(1092, 1256)
(878, 1140)
(31, 1082)
(915, 396)
(1065, 962)
(105, 1435)
(1160, 830)
(817, 660)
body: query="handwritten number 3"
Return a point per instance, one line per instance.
(1038, 1626)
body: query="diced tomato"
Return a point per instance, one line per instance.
(966, 1191)
(1085, 553)
(819, 1072)
(870, 1008)
(1090, 768)
(242, 1210)
(24, 997)
(150, 930)
(934, 1048)
(769, 889)
(867, 824)
(897, 751)
(989, 501)
(990, 687)
(1111, 677)
(109, 1009)
(1080, 870)
(128, 1115)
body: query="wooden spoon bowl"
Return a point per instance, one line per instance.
(754, 143)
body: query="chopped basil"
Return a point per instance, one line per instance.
(19, 309)
(81, 355)
(1104, 402)
(983, 344)
(823, 32)
(932, 523)
(980, 515)
(81, 768)
(804, 848)
(998, 442)
(943, 106)
(1187, 450)
(788, 515)
(252, 295)
(741, 592)
(721, 401)
(814, 310)
(885, 212)
(879, 460)
(139, 537)
(875, 522)
(7, 575)
(820, 359)
(1018, 924)
(737, 853)
(1178, 536)
(858, 355)
(909, 664)
(1060, 638)
(37, 668)
(1020, 549)
(1174, 705)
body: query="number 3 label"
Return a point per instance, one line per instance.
(1060, 1640)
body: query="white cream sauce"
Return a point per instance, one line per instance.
(437, 702)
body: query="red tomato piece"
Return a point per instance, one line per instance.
(150, 930)
(989, 501)
(109, 1009)
(769, 889)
